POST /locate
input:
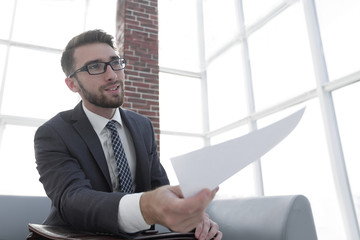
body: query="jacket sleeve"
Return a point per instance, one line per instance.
(75, 200)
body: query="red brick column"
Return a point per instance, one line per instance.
(137, 38)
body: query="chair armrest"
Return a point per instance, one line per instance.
(17, 211)
(264, 218)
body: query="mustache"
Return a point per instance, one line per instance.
(113, 83)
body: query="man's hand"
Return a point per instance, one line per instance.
(167, 206)
(207, 229)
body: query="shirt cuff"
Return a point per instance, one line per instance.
(130, 218)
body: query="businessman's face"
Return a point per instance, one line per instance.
(104, 90)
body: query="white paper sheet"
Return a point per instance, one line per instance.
(210, 166)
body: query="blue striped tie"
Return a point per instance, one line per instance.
(120, 158)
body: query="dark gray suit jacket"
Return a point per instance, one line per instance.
(74, 172)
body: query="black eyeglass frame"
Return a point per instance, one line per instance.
(85, 68)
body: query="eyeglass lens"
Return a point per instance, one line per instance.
(100, 67)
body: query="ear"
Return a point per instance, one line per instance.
(72, 84)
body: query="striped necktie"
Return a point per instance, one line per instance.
(120, 158)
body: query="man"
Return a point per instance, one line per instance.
(79, 165)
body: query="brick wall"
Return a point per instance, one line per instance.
(137, 38)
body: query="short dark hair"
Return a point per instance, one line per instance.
(92, 36)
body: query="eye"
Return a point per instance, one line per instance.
(116, 62)
(94, 66)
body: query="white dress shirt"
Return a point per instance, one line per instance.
(130, 218)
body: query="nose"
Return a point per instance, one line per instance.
(110, 74)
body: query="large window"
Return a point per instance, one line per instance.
(33, 34)
(244, 64)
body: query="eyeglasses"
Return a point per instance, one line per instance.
(100, 67)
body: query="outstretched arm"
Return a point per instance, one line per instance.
(166, 206)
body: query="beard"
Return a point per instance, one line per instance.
(101, 100)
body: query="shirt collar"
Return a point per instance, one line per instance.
(98, 122)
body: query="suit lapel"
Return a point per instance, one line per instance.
(83, 126)
(142, 177)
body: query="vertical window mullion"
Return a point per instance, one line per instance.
(2, 86)
(329, 118)
(249, 93)
(204, 86)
